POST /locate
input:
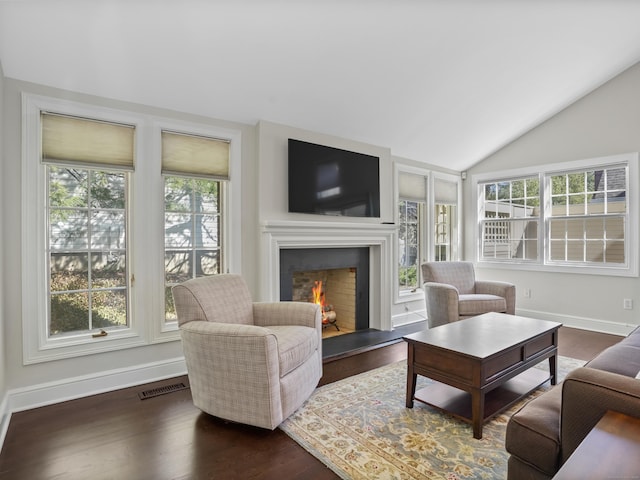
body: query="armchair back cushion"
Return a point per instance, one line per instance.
(223, 299)
(459, 274)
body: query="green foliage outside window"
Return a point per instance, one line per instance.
(192, 232)
(408, 276)
(87, 250)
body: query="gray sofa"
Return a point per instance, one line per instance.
(544, 433)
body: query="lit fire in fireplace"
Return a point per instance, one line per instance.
(328, 314)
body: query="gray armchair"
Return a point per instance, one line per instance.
(252, 363)
(453, 293)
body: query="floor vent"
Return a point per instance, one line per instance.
(154, 392)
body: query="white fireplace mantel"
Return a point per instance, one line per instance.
(380, 238)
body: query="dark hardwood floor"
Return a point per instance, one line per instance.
(118, 436)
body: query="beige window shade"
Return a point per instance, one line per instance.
(412, 187)
(87, 142)
(446, 193)
(194, 155)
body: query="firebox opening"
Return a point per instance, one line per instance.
(345, 277)
(335, 291)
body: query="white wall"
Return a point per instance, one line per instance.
(605, 122)
(58, 377)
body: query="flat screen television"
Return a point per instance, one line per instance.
(329, 181)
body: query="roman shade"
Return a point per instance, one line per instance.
(82, 141)
(446, 193)
(412, 187)
(194, 155)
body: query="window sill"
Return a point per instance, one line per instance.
(51, 351)
(410, 295)
(555, 268)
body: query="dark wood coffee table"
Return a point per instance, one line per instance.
(481, 365)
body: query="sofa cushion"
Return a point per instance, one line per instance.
(295, 345)
(477, 304)
(622, 358)
(533, 432)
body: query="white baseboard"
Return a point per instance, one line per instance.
(69, 389)
(584, 323)
(5, 417)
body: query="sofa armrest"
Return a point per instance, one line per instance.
(442, 303)
(501, 289)
(306, 314)
(587, 394)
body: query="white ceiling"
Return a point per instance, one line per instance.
(445, 82)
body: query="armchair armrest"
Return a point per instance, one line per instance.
(587, 394)
(287, 313)
(442, 303)
(501, 289)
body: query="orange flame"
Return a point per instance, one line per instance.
(318, 294)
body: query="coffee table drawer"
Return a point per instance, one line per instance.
(539, 345)
(497, 366)
(447, 364)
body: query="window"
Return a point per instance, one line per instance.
(87, 255)
(427, 209)
(569, 215)
(586, 222)
(445, 220)
(409, 224)
(101, 248)
(88, 287)
(192, 208)
(510, 219)
(412, 190)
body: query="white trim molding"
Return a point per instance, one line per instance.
(49, 393)
(583, 323)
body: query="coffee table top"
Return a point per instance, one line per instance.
(485, 335)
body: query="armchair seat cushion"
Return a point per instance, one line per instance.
(477, 304)
(295, 345)
(533, 433)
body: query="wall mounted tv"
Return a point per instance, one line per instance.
(329, 181)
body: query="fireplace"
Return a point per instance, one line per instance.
(378, 239)
(339, 277)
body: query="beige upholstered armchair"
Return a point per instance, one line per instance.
(453, 293)
(252, 363)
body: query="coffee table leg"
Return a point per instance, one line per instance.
(411, 386)
(411, 375)
(553, 369)
(477, 412)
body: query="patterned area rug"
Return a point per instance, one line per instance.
(360, 428)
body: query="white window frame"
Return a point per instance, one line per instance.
(628, 269)
(455, 249)
(483, 219)
(145, 214)
(426, 235)
(163, 331)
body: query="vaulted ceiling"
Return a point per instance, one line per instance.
(445, 82)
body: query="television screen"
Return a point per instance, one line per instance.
(329, 181)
